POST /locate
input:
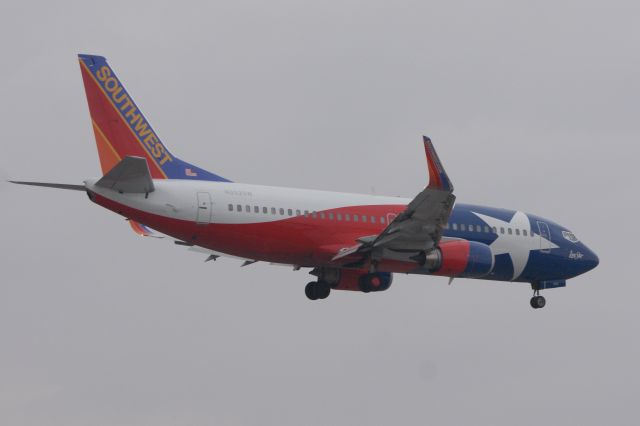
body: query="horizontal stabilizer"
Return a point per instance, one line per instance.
(143, 230)
(131, 175)
(52, 185)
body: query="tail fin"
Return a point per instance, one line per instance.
(121, 129)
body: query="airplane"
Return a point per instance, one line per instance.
(351, 242)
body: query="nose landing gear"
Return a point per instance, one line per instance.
(537, 301)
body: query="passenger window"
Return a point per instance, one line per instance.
(290, 212)
(517, 232)
(510, 231)
(330, 216)
(265, 210)
(347, 217)
(248, 210)
(230, 207)
(339, 216)
(298, 212)
(239, 207)
(256, 209)
(524, 232)
(455, 226)
(364, 218)
(322, 215)
(273, 210)
(463, 227)
(355, 217)
(373, 219)
(314, 215)
(382, 220)
(306, 213)
(486, 229)
(478, 228)
(281, 211)
(502, 230)
(495, 230)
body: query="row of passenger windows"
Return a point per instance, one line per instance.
(364, 218)
(487, 230)
(314, 215)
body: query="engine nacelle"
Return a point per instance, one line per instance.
(460, 258)
(376, 281)
(355, 280)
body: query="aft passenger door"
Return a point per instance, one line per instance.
(203, 216)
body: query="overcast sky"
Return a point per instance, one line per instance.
(531, 105)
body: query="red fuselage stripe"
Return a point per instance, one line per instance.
(298, 240)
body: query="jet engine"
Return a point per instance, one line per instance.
(460, 258)
(355, 280)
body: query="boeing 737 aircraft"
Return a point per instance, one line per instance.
(349, 241)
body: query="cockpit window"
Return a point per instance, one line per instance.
(569, 236)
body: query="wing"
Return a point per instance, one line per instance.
(416, 230)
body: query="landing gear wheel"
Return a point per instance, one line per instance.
(317, 290)
(538, 302)
(311, 291)
(323, 289)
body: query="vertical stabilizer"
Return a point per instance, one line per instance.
(122, 130)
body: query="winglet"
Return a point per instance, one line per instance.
(438, 178)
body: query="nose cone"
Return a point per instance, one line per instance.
(590, 260)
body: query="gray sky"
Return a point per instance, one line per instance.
(531, 105)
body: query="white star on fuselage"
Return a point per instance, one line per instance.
(517, 247)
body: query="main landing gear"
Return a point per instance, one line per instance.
(317, 290)
(537, 301)
(350, 280)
